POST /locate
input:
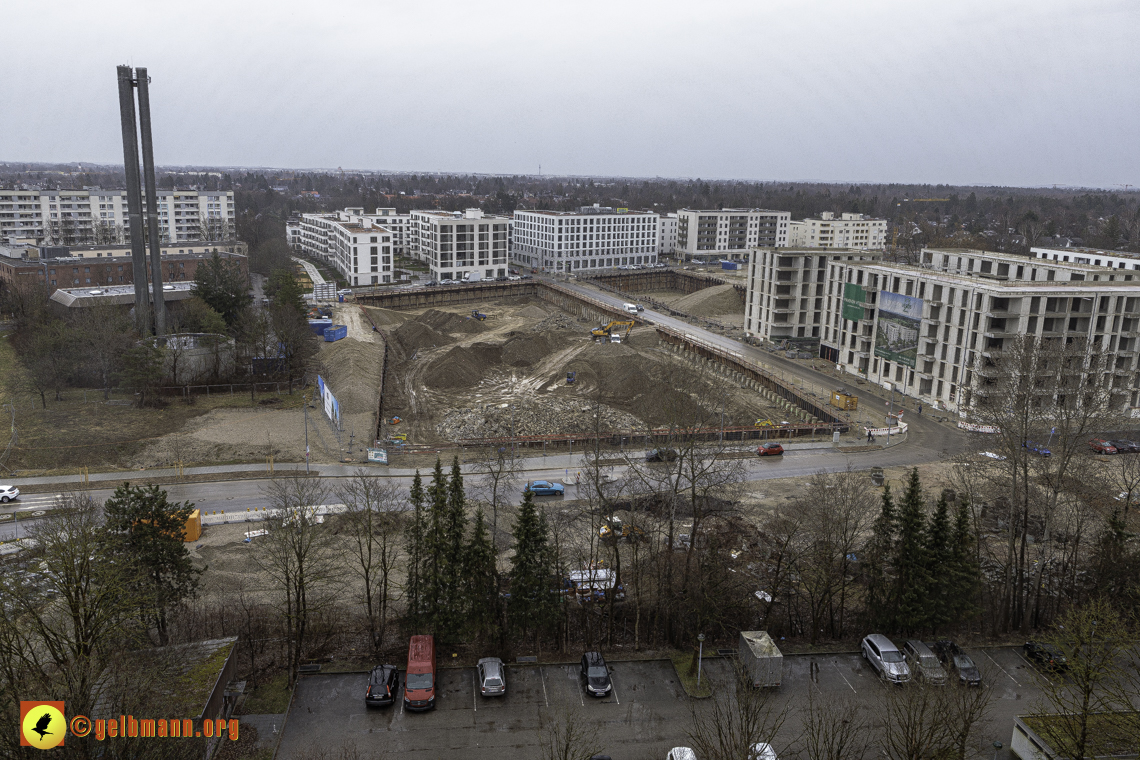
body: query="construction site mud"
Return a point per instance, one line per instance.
(452, 377)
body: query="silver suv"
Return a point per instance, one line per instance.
(886, 658)
(923, 664)
(492, 677)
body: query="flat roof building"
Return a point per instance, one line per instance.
(590, 239)
(847, 231)
(729, 233)
(358, 245)
(456, 244)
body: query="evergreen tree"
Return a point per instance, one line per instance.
(479, 580)
(876, 562)
(965, 576)
(220, 283)
(940, 568)
(911, 579)
(453, 613)
(435, 563)
(416, 538)
(147, 530)
(532, 606)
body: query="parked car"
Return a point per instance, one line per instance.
(1101, 446)
(383, 686)
(596, 674)
(514, 278)
(923, 662)
(660, 455)
(431, 284)
(492, 677)
(762, 751)
(545, 488)
(681, 753)
(344, 292)
(1047, 656)
(770, 449)
(885, 658)
(1037, 448)
(419, 679)
(958, 662)
(8, 493)
(1126, 447)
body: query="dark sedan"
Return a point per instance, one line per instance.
(1126, 447)
(1046, 655)
(383, 686)
(958, 662)
(596, 674)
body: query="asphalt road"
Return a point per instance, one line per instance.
(644, 717)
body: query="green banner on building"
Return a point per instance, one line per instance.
(853, 298)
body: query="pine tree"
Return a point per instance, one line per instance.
(965, 575)
(940, 568)
(416, 554)
(479, 579)
(453, 519)
(876, 562)
(435, 559)
(532, 606)
(911, 580)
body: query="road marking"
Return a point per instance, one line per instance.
(543, 678)
(475, 687)
(1003, 670)
(840, 672)
(1040, 672)
(613, 688)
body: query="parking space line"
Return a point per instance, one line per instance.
(1003, 670)
(474, 689)
(840, 672)
(543, 679)
(613, 688)
(1039, 672)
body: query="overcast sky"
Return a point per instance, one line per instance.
(963, 92)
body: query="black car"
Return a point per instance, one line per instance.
(1046, 655)
(1126, 447)
(596, 674)
(383, 686)
(431, 284)
(661, 455)
(958, 662)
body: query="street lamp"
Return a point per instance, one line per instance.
(997, 746)
(700, 656)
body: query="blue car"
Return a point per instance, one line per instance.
(1037, 448)
(545, 488)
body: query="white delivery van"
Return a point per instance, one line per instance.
(630, 307)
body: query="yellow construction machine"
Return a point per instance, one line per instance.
(606, 331)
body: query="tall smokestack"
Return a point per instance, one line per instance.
(134, 198)
(157, 298)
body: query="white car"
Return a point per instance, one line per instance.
(8, 493)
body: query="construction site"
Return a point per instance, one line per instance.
(485, 364)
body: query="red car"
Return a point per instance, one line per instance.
(770, 449)
(1101, 446)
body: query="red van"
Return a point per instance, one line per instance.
(419, 679)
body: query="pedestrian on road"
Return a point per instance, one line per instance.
(920, 410)
(578, 477)
(870, 438)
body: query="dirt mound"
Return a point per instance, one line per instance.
(533, 312)
(532, 416)
(352, 369)
(554, 322)
(462, 366)
(413, 335)
(525, 350)
(710, 302)
(643, 339)
(470, 326)
(385, 317)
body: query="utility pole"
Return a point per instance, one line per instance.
(306, 433)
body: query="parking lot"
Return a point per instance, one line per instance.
(646, 713)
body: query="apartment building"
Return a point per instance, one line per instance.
(72, 269)
(667, 238)
(920, 330)
(315, 235)
(787, 291)
(729, 233)
(94, 215)
(1093, 256)
(847, 231)
(589, 239)
(454, 244)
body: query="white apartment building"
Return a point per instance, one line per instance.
(454, 244)
(848, 231)
(590, 239)
(1093, 256)
(293, 229)
(352, 241)
(667, 238)
(95, 216)
(920, 330)
(312, 234)
(786, 293)
(729, 233)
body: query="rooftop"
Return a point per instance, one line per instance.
(117, 294)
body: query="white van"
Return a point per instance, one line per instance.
(630, 307)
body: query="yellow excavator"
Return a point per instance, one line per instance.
(607, 331)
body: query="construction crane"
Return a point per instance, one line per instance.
(605, 331)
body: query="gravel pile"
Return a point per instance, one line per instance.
(352, 368)
(532, 416)
(462, 366)
(533, 312)
(414, 335)
(525, 350)
(555, 322)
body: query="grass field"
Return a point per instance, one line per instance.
(82, 430)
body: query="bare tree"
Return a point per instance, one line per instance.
(833, 729)
(298, 557)
(737, 719)
(569, 736)
(374, 512)
(922, 721)
(497, 472)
